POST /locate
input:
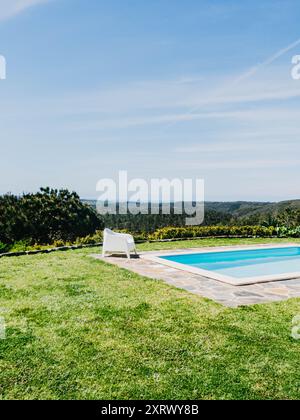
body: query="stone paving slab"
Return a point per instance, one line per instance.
(225, 294)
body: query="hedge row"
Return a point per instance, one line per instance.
(167, 233)
(213, 231)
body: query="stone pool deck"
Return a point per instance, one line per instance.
(225, 294)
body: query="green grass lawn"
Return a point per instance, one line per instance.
(78, 328)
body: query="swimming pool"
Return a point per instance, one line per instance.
(239, 267)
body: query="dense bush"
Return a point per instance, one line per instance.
(284, 232)
(3, 248)
(46, 217)
(214, 231)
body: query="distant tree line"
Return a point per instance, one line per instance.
(149, 223)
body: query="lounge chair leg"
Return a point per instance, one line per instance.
(128, 254)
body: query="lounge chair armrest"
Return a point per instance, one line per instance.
(129, 237)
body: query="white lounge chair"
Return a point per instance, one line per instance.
(117, 242)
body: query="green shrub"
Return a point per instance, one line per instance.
(20, 246)
(59, 243)
(3, 248)
(97, 237)
(284, 232)
(46, 217)
(212, 231)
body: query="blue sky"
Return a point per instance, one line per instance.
(161, 88)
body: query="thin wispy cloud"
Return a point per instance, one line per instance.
(10, 8)
(247, 164)
(251, 72)
(163, 102)
(255, 115)
(239, 145)
(169, 94)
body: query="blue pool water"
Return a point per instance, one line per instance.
(244, 263)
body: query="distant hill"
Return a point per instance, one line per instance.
(251, 208)
(242, 208)
(216, 213)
